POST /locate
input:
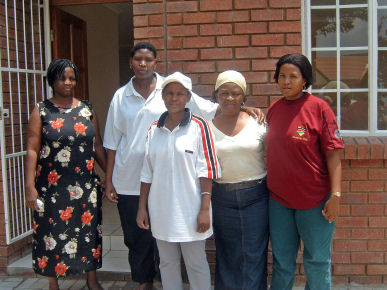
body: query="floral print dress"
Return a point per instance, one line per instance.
(67, 236)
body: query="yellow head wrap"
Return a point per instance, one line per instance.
(231, 76)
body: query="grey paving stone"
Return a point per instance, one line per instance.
(67, 284)
(27, 283)
(107, 284)
(10, 285)
(42, 283)
(119, 284)
(11, 282)
(13, 279)
(79, 284)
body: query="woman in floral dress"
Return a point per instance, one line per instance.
(62, 185)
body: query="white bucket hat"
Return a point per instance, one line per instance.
(178, 77)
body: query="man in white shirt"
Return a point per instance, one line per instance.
(133, 109)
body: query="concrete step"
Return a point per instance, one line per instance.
(115, 266)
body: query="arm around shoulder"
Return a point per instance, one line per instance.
(202, 107)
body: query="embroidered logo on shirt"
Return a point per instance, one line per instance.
(301, 130)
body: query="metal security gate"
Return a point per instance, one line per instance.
(24, 49)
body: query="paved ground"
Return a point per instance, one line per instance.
(35, 283)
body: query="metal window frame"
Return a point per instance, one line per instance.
(19, 222)
(372, 49)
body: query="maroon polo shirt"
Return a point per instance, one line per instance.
(299, 134)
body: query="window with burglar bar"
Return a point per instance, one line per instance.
(346, 41)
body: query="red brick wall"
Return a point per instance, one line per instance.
(360, 245)
(203, 38)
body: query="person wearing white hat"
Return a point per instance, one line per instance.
(133, 108)
(240, 196)
(176, 180)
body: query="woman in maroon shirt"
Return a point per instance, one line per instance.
(304, 176)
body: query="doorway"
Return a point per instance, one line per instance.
(109, 33)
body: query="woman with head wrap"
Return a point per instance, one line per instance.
(240, 196)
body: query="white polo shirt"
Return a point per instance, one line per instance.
(127, 124)
(174, 162)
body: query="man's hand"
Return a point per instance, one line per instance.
(110, 192)
(255, 113)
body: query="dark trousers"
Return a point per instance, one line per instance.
(141, 244)
(241, 229)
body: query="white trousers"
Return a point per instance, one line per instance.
(195, 260)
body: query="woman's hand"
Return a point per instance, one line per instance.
(142, 219)
(110, 192)
(31, 197)
(203, 221)
(255, 113)
(331, 209)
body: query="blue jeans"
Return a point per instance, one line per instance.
(287, 227)
(240, 223)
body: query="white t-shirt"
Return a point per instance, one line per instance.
(127, 124)
(241, 157)
(174, 162)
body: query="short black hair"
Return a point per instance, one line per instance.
(56, 69)
(143, 45)
(299, 60)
